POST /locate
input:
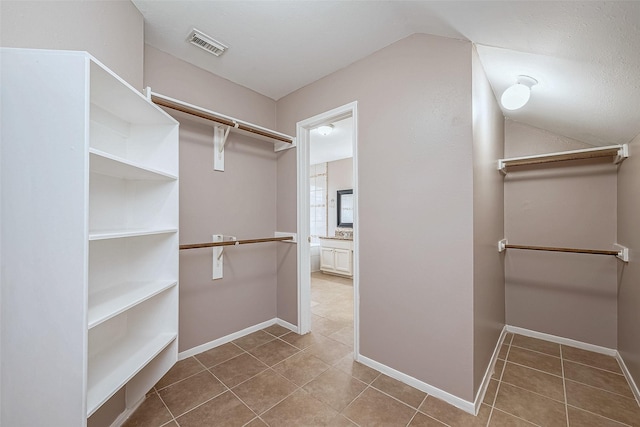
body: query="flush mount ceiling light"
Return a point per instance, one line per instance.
(325, 130)
(518, 95)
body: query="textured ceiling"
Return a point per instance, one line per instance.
(586, 55)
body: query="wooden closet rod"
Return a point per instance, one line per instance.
(227, 121)
(235, 242)
(563, 157)
(577, 251)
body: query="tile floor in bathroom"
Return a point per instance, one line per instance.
(275, 377)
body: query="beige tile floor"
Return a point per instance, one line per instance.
(275, 377)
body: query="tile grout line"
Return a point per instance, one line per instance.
(411, 419)
(562, 375)
(535, 369)
(351, 403)
(203, 403)
(600, 416)
(279, 401)
(415, 413)
(569, 360)
(200, 404)
(245, 404)
(173, 417)
(532, 392)
(564, 389)
(602, 389)
(535, 351)
(594, 367)
(504, 367)
(158, 390)
(393, 397)
(519, 418)
(242, 350)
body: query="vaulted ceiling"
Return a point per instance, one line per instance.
(585, 54)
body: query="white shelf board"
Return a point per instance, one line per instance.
(108, 164)
(117, 234)
(112, 93)
(110, 302)
(110, 370)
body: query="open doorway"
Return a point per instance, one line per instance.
(328, 225)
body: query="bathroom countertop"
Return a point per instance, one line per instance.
(336, 238)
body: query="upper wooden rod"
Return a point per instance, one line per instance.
(218, 119)
(235, 242)
(552, 249)
(561, 157)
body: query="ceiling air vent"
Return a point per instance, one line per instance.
(203, 41)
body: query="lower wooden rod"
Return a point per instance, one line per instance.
(235, 242)
(577, 251)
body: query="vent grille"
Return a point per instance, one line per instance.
(203, 41)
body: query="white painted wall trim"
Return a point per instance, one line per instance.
(415, 383)
(303, 129)
(234, 336)
(562, 340)
(489, 372)
(469, 407)
(627, 374)
(124, 415)
(285, 324)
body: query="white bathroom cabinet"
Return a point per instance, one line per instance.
(336, 256)
(89, 239)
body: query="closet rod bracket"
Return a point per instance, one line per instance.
(623, 153)
(502, 167)
(623, 252)
(502, 245)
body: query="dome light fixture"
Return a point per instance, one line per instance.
(518, 95)
(325, 130)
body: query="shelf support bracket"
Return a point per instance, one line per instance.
(501, 167)
(623, 153)
(220, 135)
(218, 255)
(280, 146)
(623, 252)
(218, 259)
(502, 245)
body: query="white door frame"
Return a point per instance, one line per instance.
(303, 129)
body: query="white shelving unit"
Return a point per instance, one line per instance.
(89, 178)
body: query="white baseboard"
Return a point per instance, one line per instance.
(415, 383)
(561, 340)
(627, 374)
(285, 324)
(489, 372)
(124, 415)
(228, 338)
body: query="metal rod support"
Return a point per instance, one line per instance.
(572, 250)
(235, 242)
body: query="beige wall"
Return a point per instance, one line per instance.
(568, 295)
(488, 222)
(416, 306)
(629, 274)
(111, 31)
(241, 202)
(181, 80)
(339, 177)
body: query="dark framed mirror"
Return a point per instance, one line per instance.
(345, 208)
